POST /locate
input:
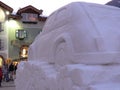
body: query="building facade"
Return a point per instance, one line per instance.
(17, 31)
(5, 11)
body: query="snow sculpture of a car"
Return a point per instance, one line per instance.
(79, 33)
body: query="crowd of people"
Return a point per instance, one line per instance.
(7, 72)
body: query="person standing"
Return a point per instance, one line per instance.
(11, 71)
(5, 72)
(0, 76)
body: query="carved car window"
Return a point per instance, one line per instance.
(57, 19)
(49, 25)
(62, 17)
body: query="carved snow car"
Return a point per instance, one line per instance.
(79, 33)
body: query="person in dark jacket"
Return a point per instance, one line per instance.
(0, 76)
(11, 71)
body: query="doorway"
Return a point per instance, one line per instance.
(24, 51)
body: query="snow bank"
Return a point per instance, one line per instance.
(41, 76)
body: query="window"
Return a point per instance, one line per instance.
(1, 27)
(29, 17)
(1, 44)
(21, 34)
(63, 17)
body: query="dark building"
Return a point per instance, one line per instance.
(115, 3)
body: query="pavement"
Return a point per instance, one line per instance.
(7, 85)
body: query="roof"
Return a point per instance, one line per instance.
(15, 16)
(29, 9)
(41, 18)
(6, 7)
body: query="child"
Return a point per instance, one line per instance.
(0, 76)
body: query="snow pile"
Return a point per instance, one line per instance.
(35, 75)
(89, 77)
(81, 54)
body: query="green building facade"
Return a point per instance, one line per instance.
(18, 31)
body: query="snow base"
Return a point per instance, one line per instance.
(35, 75)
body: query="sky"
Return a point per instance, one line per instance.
(48, 6)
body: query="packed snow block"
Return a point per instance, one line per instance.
(42, 75)
(70, 77)
(105, 86)
(23, 76)
(20, 74)
(97, 58)
(52, 82)
(75, 87)
(84, 75)
(75, 33)
(36, 75)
